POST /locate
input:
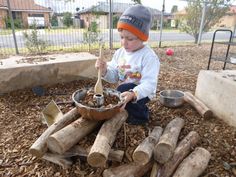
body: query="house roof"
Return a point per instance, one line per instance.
(23, 5)
(117, 8)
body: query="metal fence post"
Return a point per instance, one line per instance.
(110, 24)
(161, 26)
(12, 26)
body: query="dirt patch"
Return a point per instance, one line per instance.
(21, 125)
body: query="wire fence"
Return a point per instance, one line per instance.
(55, 25)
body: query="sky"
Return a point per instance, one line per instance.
(71, 6)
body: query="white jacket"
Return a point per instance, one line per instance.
(140, 67)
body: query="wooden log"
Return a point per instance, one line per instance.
(155, 169)
(181, 151)
(201, 108)
(98, 154)
(194, 164)
(39, 148)
(164, 149)
(143, 153)
(128, 170)
(58, 159)
(77, 150)
(64, 139)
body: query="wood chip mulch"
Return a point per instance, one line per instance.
(21, 123)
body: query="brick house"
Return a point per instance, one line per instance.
(100, 14)
(23, 10)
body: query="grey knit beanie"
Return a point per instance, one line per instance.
(137, 20)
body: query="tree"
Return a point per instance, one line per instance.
(137, 1)
(190, 22)
(67, 20)
(174, 9)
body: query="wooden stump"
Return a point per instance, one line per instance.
(164, 149)
(194, 164)
(144, 151)
(64, 139)
(39, 148)
(182, 150)
(128, 170)
(105, 138)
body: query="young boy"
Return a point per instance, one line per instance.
(135, 66)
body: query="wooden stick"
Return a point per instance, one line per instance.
(201, 108)
(143, 153)
(105, 138)
(39, 148)
(128, 170)
(194, 164)
(182, 150)
(164, 149)
(64, 139)
(58, 159)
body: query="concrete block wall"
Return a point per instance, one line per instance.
(217, 89)
(53, 69)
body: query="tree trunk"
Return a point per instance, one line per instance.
(128, 170)
(194, 164)
(182, 150)
(201, 108)
(165, 147)
(39, 148)
(58, 159)
(64, 139)
(144, 151)
(105, 138)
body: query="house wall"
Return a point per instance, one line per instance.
(228, 21)
(3, 14)
(102, 20)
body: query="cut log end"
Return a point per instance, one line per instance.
(54, 145)
(207, 114)
(97, 160)
(141, 157)
(163, 153)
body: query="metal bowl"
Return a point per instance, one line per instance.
(172, 98)
(100, 113)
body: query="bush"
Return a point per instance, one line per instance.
(33, 43)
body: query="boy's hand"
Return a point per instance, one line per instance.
(102, 65)
(127, 97)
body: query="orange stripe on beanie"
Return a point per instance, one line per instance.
(137, 20)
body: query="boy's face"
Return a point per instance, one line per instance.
(129, 41)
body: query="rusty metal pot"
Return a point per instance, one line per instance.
(96, 113)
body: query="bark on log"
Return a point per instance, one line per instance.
(155, 169)
(58, 159)
(77, 150)
(182, 150)
(39, 148)
(194, 164)
(105, 138)
(201, 108)
(128, 170)
(164, 149)
(64, 139)
(143, 153)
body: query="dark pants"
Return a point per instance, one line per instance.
(138, 112)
